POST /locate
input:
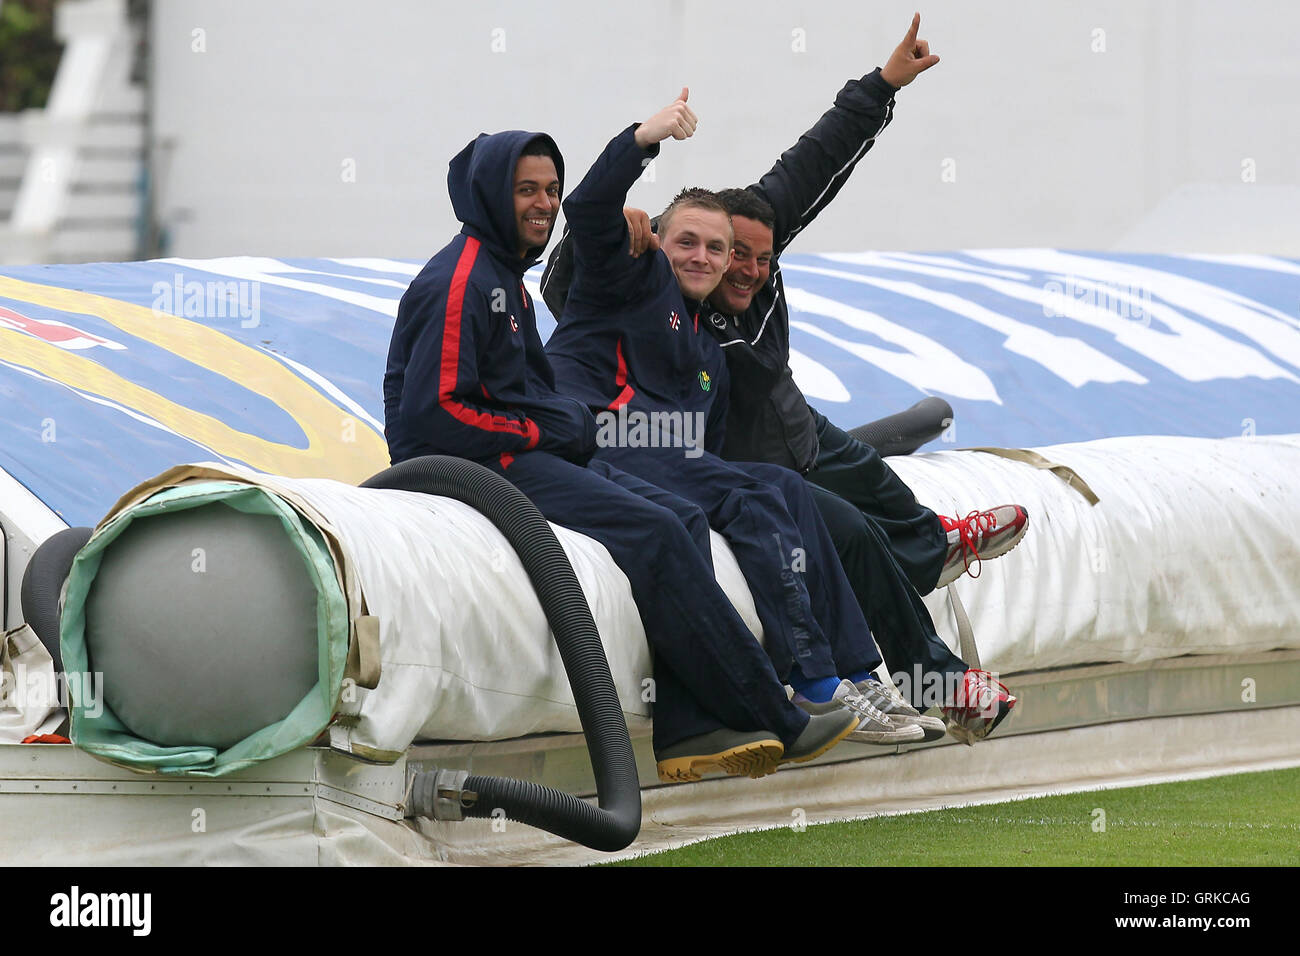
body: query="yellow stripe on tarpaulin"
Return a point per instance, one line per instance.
(339, 445)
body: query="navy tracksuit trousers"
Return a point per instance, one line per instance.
(809, 612)
(891, 548)
(709, 672)
(856, 472)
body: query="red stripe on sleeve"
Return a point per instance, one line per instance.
(450, 367)
(620, 379)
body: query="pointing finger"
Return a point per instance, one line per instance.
(911, 31)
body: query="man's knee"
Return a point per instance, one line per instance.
(764, 502)
(773, 474)
(664, 523)
(695, 520)
(849, 529)
(792, 486)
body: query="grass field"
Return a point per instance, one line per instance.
(1246, 819)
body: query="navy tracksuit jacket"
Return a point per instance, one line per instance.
(627, 337)
(624, 340)
(467, 376)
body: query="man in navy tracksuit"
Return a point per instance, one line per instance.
(630, 342)
(467, 376)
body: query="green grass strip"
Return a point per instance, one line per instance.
(1248, 819)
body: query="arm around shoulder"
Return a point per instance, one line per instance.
(597, 227)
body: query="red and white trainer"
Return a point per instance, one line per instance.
(982, 703)
(980, 536)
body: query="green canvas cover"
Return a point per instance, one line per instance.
(103, 734)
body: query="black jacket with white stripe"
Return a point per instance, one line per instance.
(768, 418)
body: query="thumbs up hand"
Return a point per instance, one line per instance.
(676, 120)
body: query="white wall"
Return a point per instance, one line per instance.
(1139, 147)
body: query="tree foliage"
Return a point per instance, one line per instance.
(29, 53)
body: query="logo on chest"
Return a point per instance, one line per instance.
(674, 320)
(706, 383)
(514, 326)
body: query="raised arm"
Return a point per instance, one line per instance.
(596, 225)
(811, 172)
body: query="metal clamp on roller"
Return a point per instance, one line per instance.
(438, 794)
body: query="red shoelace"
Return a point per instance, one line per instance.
(984, 522)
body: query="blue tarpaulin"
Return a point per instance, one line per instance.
(111, 373)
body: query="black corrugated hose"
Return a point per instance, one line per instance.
(905, 432)
(43, 580)
(617, 820)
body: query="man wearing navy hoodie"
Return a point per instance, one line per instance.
(630, 338)
(467, 376)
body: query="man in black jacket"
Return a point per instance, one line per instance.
(862, 500)
(630, 344)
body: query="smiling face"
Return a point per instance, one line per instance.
(750, 266)
(537, 201)
(698, 244)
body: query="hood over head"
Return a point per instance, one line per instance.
(481, 182)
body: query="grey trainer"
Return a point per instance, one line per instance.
(874, 726)
(886, 698)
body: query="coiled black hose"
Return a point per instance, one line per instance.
(617, 820)
(906, 431)
(43, 580)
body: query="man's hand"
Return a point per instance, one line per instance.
(640, 234)
(911, 57)
(675, 120)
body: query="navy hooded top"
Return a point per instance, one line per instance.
(466, 374)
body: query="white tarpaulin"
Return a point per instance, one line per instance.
(1193, 548)
(465, 649)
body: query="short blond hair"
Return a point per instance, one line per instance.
(696, 197)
